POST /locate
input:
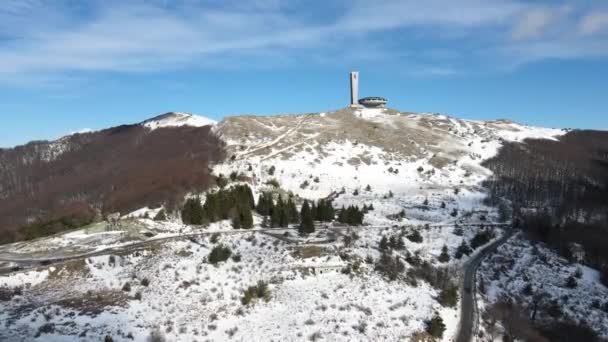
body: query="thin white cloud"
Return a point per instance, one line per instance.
(536, 22)
(161, 35)
(594, 23)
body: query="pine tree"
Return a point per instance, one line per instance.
(292, 211)
(275, 217)
(435, 326)
(245, 217)
(368, 188)
(383, 243)
(160, 216)
(444, 256)
(262, 206)
(463, 249)
(192, 212)
(306, 220)
(236, 219)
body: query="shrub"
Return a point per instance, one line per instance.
(356, 192)
(138, 295)
(258, 291)
(454, 212)
(236, 257)
(218, 254)
(571, 282)
(481, 238)
(435, 326)
(271, 170)
(234, 175)
(304, 184)
(316, 180)
(389, 266)
(444, 256)
(420, 169)
(215, 237)
(415, 237)
(442, 205)
(449, 296)
(145, 282)
(156, 336)
(126, 287)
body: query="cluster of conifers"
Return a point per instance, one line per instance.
(236, 203)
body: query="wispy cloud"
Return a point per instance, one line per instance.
(47, 40)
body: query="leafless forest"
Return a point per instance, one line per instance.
(117, 169)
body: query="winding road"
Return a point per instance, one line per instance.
(468, 309)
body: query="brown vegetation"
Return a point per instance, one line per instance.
(117, 169)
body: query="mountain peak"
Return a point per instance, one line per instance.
(176, 119)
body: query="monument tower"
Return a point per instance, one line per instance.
(354, 88)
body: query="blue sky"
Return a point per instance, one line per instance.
(69, 65)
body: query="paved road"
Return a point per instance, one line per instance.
(468, 309)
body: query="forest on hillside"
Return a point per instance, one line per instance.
(118, 169)
(558, 191)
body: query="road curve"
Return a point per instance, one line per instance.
(468, 307)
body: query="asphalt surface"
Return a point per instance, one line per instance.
(468, 308)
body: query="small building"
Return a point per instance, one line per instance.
(373, 101)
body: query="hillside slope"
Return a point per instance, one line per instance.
(67, 182)
(420, 177)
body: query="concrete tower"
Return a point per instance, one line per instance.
(354, 88)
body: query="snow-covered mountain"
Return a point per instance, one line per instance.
(177, 119)
(423, 174)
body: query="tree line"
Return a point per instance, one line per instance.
(233, 203)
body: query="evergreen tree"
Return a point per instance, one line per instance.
(351, 216)
(236, 219)
(246, 217)
(160, 216)
(435, 326)
(306, 220)
(292, 211)
(283, 214)
(275, 216)
(192, 212)
(463, 249)
(221, 181)
(415, 236)
(262, 206)
(383, 243)
(444, 256)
